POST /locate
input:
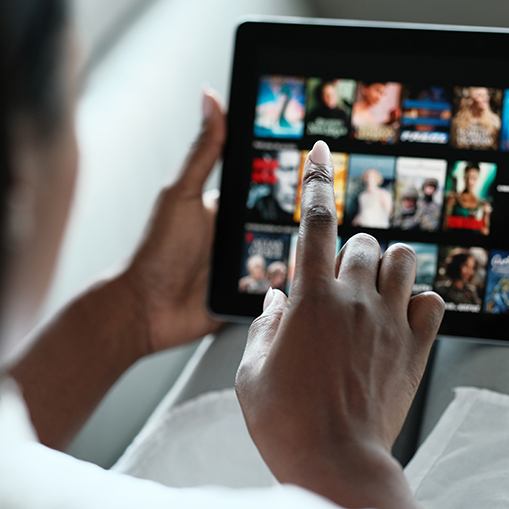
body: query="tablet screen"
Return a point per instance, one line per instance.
(419, 146)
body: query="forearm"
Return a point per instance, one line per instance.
(355, 477)
(77, 358)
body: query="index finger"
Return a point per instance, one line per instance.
(316, 247)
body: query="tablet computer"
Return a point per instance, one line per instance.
(417, 120)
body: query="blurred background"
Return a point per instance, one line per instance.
(144, 63)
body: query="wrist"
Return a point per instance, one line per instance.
(352, 475)
(76, 359)
(124, 319)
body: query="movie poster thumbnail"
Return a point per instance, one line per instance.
(329, 107)
(280, 107)
(340, 163)
(264, 261)
(369, 201)
(427, 260)
(469, 195)
(461, 277)
(476, 121)
(496, 299)
(504, 137)
(419, 193)
(376, 113)
(426, 115)
(293, 258)
(273, 190)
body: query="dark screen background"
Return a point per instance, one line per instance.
(411, 57)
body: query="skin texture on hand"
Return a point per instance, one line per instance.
(170, 271)
(157, 303)
(329, 373)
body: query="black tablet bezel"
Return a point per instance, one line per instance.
(315, 42)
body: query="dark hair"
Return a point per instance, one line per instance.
(470, 165)
(30, 51)
(456, 261)
(319, 89)
(431, 182)
(370, 83)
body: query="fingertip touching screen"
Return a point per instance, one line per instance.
(417, 120)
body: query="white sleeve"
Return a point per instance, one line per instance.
(33, 476)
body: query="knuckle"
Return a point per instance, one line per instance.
(315, 297)
(358, 308)
(317, 173)
(256, 325)
(319, 215)
(198, 142)
(416, 365)
(207, 140)
(168, 195)
(414, 381)
(260, 326)
(168, 192)
(242, 379)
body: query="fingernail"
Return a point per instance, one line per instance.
(320, 154)
(269, 297)
(207, 105)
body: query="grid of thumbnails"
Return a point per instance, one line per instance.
(400, 193)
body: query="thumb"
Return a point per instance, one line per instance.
(263, 330)
(207, 148)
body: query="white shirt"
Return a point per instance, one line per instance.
(374, 209)
(33, 476)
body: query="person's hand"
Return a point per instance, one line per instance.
(328, 375)
(169, 273)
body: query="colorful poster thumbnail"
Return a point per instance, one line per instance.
(273, 189)
(387, 112)
(329, 107)
(477, 118)
(426, 115)
(369, 201)
(280, 107)
(504, 141)
(496, 300)
(264, 261)
(376, 112)
(461, 277)
(419, 193)
(469, 195)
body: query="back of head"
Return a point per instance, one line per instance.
(30, 44)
